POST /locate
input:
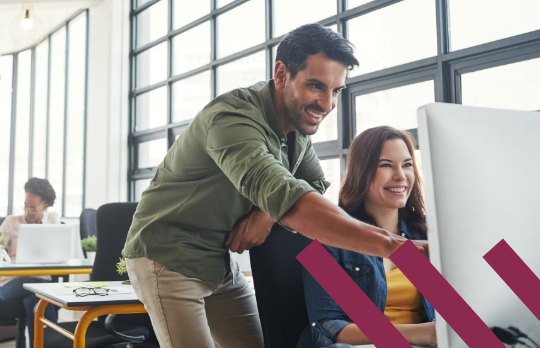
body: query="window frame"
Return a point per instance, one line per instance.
(444, 69)
(14, 86)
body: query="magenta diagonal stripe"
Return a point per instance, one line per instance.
(449, 304)
(354, 302)
(516, 274)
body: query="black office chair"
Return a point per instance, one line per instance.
(279, 291)
(13, 313)
(88, 224)
(113, 222)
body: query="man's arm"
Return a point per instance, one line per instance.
(317, 218)
(310, 170)
(419, 334)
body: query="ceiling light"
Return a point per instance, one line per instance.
(27, 23)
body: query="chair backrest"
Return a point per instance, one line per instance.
(88, 223)
(277, 276)
(113, 223)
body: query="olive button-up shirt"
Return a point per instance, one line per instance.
(232, 157)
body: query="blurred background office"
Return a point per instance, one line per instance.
(94, 92)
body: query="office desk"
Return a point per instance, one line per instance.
(33, 269)
(93, 305)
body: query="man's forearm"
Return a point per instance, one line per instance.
(317, 218)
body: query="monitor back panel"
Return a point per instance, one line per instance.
(482, 184)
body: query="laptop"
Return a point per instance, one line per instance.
(481, 179)
(44, 243)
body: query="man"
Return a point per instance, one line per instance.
(245, 162)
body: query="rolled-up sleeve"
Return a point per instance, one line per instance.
(239, 148)
(326, 318)
(310, 170)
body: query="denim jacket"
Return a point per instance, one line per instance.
(325, 316)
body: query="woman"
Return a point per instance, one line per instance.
(382, 187)
(39, 196)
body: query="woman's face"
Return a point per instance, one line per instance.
(394, 178)
(33, 208)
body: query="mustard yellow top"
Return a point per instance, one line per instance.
(403, 302)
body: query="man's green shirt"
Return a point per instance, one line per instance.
(232, 157)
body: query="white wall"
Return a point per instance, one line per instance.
(108, 88)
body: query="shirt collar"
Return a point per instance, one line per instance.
(405, 231)
(271, 114)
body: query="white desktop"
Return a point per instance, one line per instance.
(482, 184)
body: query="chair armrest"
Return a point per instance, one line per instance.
(109, 326)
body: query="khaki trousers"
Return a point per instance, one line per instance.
(190, 313)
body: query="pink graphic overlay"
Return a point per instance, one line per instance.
(449, 304)
(354, 302)
(516, 274)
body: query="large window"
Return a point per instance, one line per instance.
(411, 52)
(43, 118)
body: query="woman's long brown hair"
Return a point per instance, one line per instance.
(363, 161)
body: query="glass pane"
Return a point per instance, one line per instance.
(514, 86)
(221, 3)
(480, 21)
(22, 126)
(6, 72)
(187, 11)
(288, 18)
(331, 169)
(140, 186)
(56, 116)
(151, 109)
(356, 3)
(75, 117)
(40, 109)
(396, 107)
(242, 72)
(190, 96)
(151, 153)
(191, 49)
(241, 28)
(328, 129)
(397, 34)
(152, 65)
(152, 23)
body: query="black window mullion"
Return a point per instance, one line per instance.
(48, 108)
(170, 139)
(213, 51)
(14, 83)
(66, 96)
(32, 107)
(86, 46)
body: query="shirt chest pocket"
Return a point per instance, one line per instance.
(360, 273)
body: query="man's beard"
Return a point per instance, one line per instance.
(296, 113)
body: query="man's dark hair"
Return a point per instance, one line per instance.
(41, 188)
(311, 39)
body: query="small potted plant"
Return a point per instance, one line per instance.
(89, 244)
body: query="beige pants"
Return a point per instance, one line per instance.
(190, 313)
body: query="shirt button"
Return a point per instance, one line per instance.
(357, 269)
(313, 324)
(403, 234)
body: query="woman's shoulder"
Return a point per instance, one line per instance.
(11, 222)
(52, 218)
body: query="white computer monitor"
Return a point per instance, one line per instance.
(482, 184)
(44, 243)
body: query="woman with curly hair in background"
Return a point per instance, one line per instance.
(39, 196)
